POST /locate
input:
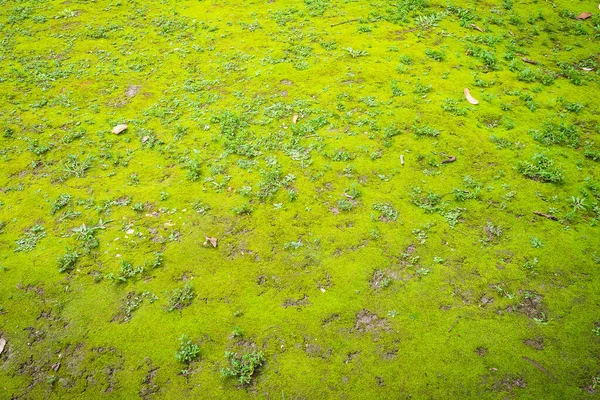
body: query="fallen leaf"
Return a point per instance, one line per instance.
(401, 159)
(56, 366)
(295, 118)
(133, 90)
(587, 69)
(145, 139)
(477, 28)
(527, 60)
(470, 98)
(119, 129)
(2, 344)
(584, 15)
(210, 240)
(449, 160)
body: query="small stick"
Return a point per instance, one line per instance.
(552, 217)
(345, 22)
(453, 324)
(538, 366)
(477, 28)
(401, 159)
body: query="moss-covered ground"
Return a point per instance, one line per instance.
(303, 183)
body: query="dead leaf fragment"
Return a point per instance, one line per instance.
(470, 98)
(211, 240)
(528, 61)
(119, 129)
(449, 160)
(133, 90)
(145, 139)
(585, 15)
(295, 118)
(477, 28)
(2, 344)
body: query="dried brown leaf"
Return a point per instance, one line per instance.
(585, 15)
(528, 61)
(470, 98)
(211, 240)
(119, 129)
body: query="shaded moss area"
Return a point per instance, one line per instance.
(304, 204)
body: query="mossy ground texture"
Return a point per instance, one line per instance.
(377, 236)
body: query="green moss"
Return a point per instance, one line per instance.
(466, 270)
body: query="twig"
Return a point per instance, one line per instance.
(270, 327)
(345, 22)
(538, 366)
(453, 324)
(477, 28)
(552, 217)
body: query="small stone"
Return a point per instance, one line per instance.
(130, 231)
(117, 130)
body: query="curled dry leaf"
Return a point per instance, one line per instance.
(2, 344)
(211, 240)
(477, 28)
(119, 129)
(449, 160)
(295, 118)
(584, 15)
(470, 98)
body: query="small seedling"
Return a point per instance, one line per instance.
(243, 367)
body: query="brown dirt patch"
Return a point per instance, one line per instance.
(366, 321)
